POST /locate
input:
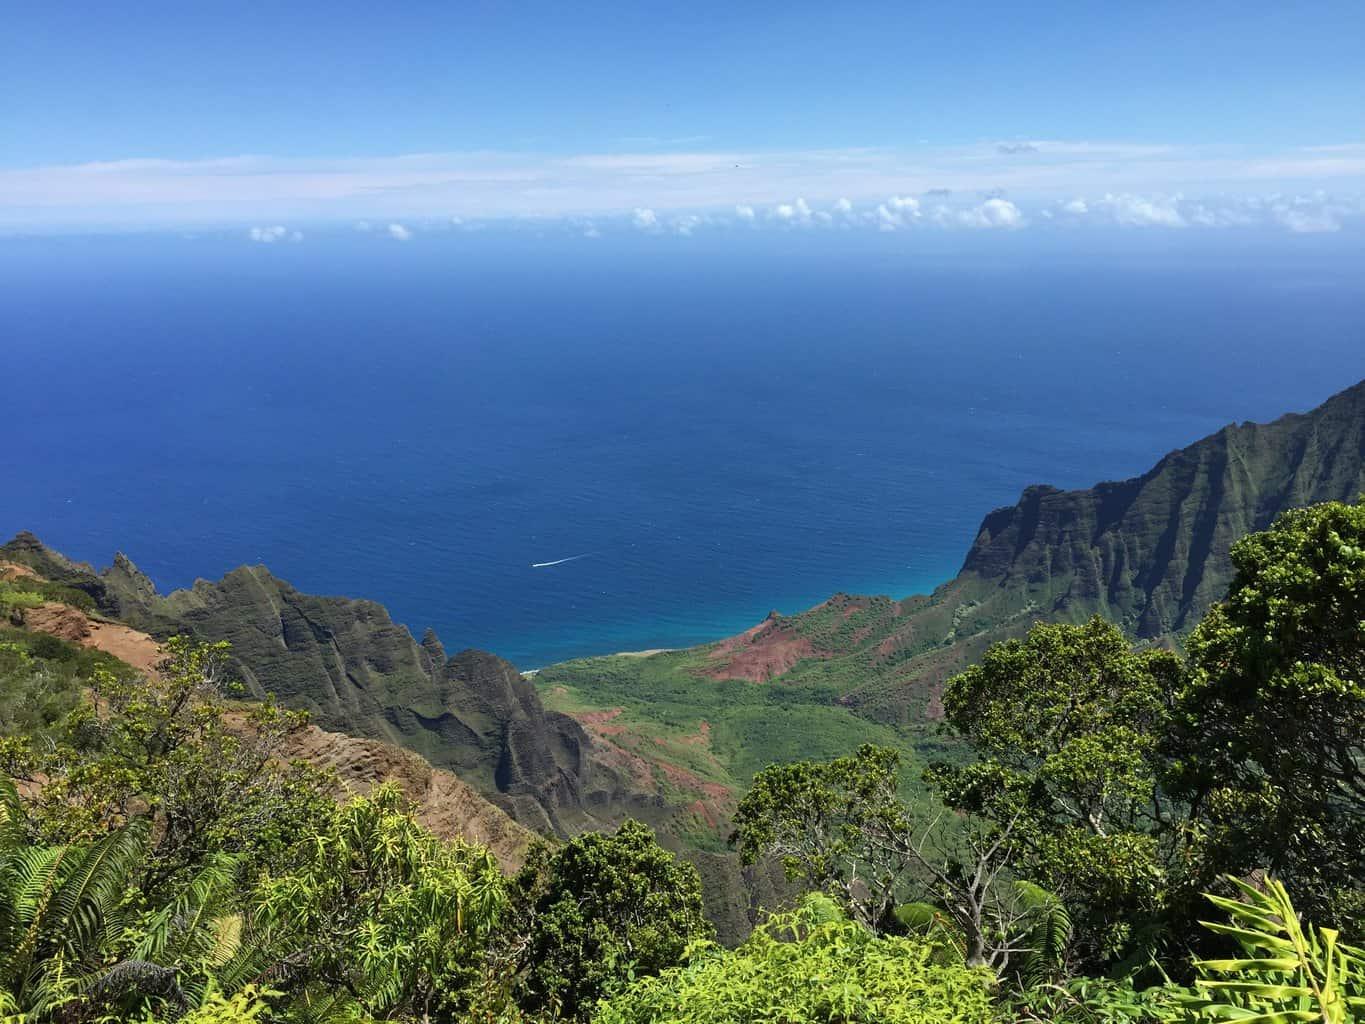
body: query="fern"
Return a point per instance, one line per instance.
(1048, 933)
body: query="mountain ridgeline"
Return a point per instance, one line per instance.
(674, 738)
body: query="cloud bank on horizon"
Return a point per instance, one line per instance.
(988, 186)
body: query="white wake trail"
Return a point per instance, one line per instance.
(559, 561)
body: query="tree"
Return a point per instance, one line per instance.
(1271, 740)
(1068, 725)
(842, 827)
(170, 751)
(596, 912)
(381, 914)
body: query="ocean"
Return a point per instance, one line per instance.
(696, 430)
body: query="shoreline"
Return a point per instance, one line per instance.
(648, 652)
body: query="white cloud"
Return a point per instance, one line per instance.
(645, 219)
(277, 233)
(897, 212)
(1077, 208)
(1307, 215)
(798, 212)
(843, 206)
(399, 233)
(686, 225)
(1141, 211)
(993, 213)
(745, 212)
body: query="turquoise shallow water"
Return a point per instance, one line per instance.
(717, 430)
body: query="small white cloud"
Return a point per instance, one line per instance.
(399, 233)
(686, 225)
(1143, 212)
(798, 212)
(277, 233)
(897, 212)
(1305, 215)
(745, 212)
(993, 213)
(1220, 215)
(1014, 148)
(1076, 208)
(363, 225)
(843, 206)
(645, 219)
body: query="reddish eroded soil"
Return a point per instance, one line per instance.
(684, 779)
(933, 709)
(760, 653)
(15, 571)
(73, 625)
(597, 722)
(704, 811)
(443, 802)
(701, 738)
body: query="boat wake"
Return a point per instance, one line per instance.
(559, 561)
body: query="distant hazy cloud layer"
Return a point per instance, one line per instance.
(988, 186)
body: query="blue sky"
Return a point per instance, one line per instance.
(205, 112)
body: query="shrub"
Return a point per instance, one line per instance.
(811, 965)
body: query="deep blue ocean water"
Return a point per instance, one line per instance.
(720, 426)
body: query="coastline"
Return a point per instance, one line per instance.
(648, 652)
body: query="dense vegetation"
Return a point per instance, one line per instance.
(161, 860)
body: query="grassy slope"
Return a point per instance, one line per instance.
(701, 739)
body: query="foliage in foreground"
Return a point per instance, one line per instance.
(159, 861)
(597, 911)
(811, 965)
(1291, 971)
(382, 910)
(1274, 716)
